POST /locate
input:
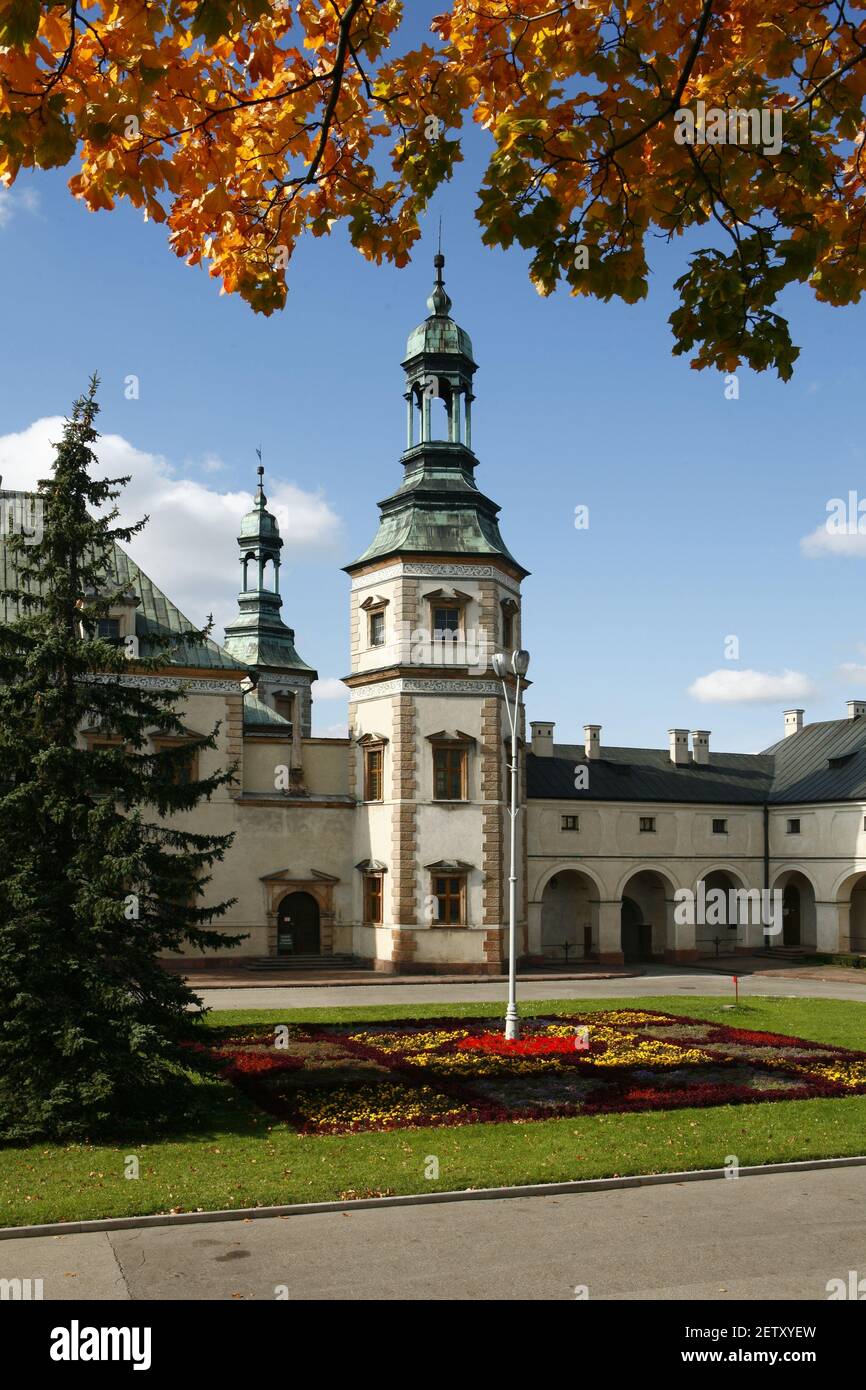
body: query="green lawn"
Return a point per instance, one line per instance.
(243, 1158)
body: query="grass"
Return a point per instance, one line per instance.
(243, 1158)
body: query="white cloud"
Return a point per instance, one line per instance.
(823, 542)
(189, 546)
(14, 200)
(853, 668)
(755, 687)
(329, 689)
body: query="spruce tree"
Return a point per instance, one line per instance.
(95, 879)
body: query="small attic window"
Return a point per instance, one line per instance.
(841, 760)
(284, 704)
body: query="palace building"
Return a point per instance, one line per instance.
(390, 847)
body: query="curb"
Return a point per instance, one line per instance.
(481, 1194)
(257, 982)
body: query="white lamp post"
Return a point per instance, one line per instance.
(516, 664)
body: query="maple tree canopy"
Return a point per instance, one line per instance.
(243, 125)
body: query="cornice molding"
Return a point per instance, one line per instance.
(415, 569)
(424, 687)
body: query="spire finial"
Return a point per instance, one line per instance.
(261, 499)
(439, 302)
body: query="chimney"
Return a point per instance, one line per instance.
(542, 738)
(701, 746)
(592, 740)
(679, 746)
(856, 709)
(794, 721)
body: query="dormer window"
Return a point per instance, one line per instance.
(108, 630)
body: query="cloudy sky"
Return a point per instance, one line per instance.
(707, 591)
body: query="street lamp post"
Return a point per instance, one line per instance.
(516, 664)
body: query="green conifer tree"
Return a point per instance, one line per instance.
(96, 876)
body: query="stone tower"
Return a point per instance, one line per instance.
(433, 597)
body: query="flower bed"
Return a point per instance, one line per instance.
(331, 1079)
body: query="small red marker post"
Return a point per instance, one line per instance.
(736, 987)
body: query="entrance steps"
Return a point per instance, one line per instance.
(319, 963)
(785, 952)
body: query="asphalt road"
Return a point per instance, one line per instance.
(657, 980)
(773, 1236)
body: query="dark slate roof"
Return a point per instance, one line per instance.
(825, 762)
(159, 625)
(647, 774)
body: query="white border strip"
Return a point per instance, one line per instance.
(481, 1194)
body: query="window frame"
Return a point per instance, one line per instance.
(575, 827)
(162, 742)
(377, 751)
(374, 617)
(374, 898)
(720, 825)
(646, 825)
(455, 634)
(449, 894)
(461, 751)
(793, 825)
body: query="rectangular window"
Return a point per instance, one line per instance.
(569, 822)
(507, 629)
(284, 704)
(108, 629)
(373, 760)
(449, 774)
(720, 827)
(377, 628)
(446, 618)
(372, 899)
(449, 891)
(647, 824)
(183, 772)
(794, 827)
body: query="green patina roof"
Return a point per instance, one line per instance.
(439, 333)
(159, 625)
(258, 636)
(260, 716)
(254, 643)
(438, 509)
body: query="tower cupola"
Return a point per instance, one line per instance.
(438, 508)
(258, 636)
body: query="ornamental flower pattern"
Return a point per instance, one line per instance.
(333, 1079)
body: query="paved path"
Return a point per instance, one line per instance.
(657, 980)
(777, 1236)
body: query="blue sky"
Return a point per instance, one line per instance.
(698, 504)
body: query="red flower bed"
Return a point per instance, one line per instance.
(522, 1047)
(406, 1076)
